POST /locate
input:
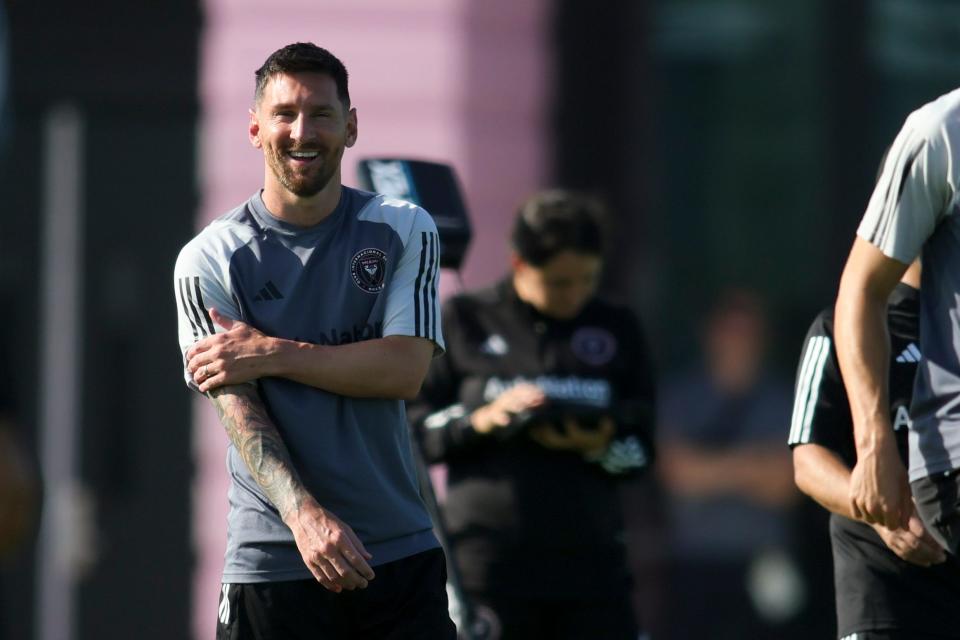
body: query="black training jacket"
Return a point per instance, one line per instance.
(524, 519)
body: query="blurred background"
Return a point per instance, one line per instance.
(735, 140)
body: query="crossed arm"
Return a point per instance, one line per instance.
(822, 475)
(390, 367)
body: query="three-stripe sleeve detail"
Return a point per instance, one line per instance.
(808, 388)
(425, 287)
(193, 308)
(886, 210)
(430, 295)
(183, 306)
(416, 285)
(899, 173)
(203, 307)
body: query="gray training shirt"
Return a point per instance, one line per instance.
(367, 271)
(914, 212)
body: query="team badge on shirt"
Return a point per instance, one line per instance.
(495, 345)
(368, 268)
(594, 346)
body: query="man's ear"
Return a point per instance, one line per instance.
(253, 130)
(351, 127)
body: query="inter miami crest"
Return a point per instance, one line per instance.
(368, 268)
(594, 345)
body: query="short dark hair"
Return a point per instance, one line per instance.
(300, 57)
(551, 222)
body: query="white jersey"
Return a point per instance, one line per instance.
(914, 212)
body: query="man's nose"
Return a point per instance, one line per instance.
(300, 128)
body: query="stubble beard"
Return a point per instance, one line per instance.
(303, 184)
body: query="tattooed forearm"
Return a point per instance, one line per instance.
(259, 444)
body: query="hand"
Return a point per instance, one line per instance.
(234, 357)
(913, 544)
(330, 548)
(586, 442)
(500, 412)
(879, 492)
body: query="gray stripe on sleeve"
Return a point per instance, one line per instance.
(802, 388)
(815, 390)
(808, 388)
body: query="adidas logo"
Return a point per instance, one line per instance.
(268, 292)
(910, 354)
(495, 345)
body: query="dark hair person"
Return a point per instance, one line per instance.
(541, 406)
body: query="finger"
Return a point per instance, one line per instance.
(212, 382)
(536, 399)
(906, 507)
(321, 577)
(922, 555)
(527, 395)
(520, 402)
(528, 388)
(348, 577)
(937, 553)
(197, 360)
(352, 553)
(221, 319)
(571, 427)
(359, 548)
(330, 574)
(915, 525)
(855, 511)
(888, 517)
(357, 568)
(197, 348)
(549, 438)
(891, 517)
(540, 438)
(359, 564)
(932, 550)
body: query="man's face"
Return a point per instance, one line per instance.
(302, 128)
(560, 288)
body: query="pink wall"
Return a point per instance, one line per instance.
(450, 80)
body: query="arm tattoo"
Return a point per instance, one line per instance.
(256, 438)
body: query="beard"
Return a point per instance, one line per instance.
(306, 181)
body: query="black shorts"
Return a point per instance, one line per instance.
(892, 634)
(876, 591)
(525, 618)
(406, 599)
(938, 502)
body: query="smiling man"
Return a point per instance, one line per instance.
(308, 314)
